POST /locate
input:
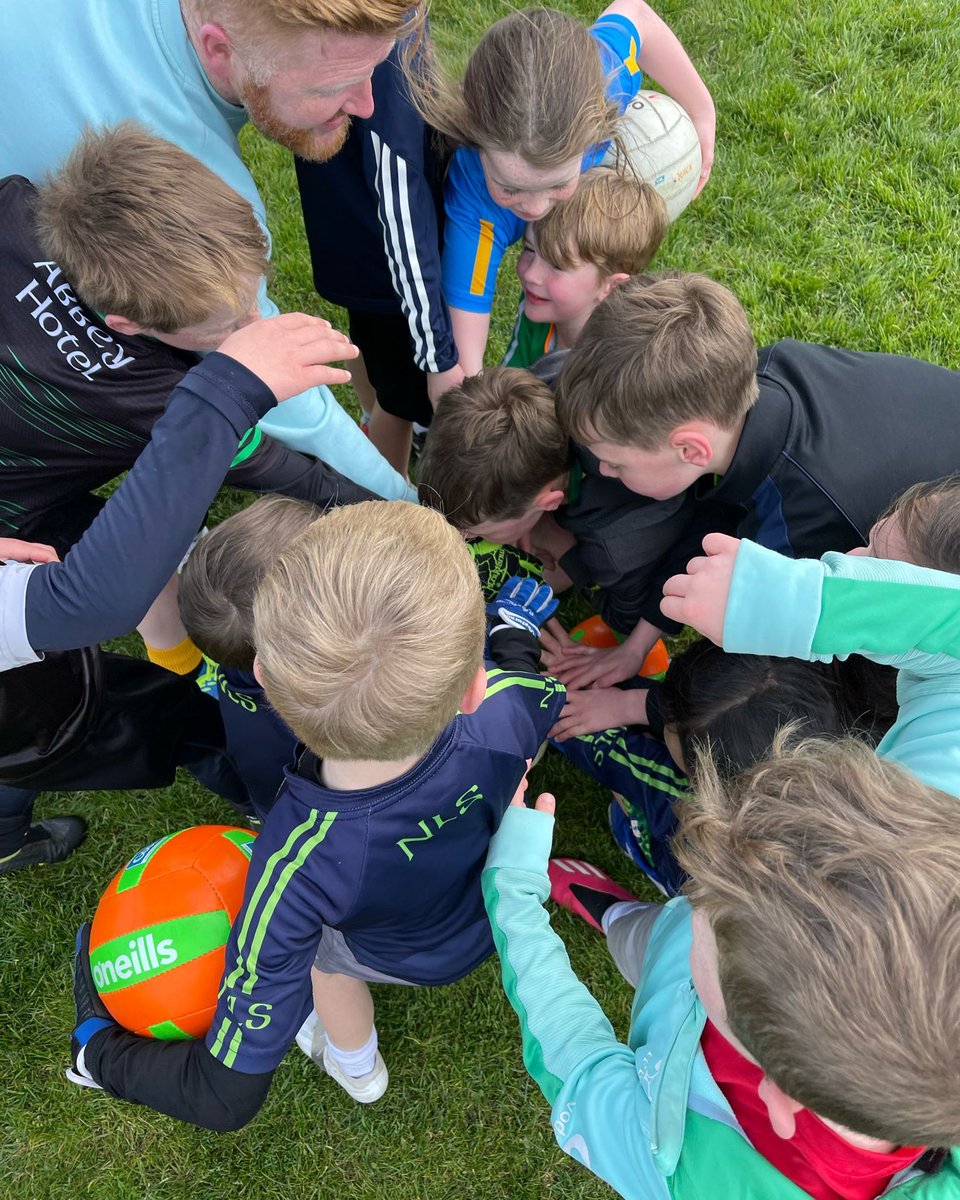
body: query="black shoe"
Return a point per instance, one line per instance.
(47, 841)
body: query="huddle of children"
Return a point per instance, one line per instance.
(794, 1030)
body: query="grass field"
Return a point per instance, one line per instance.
(832, 212)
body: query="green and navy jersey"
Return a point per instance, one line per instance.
(530, 340)
(639, 769)
(395, 868)
(257, 739)
(78, 401)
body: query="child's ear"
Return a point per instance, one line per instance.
(612, 281)
(473, 696)
(693, 445)
(257, 674)
(781, 1108)
(122, 325)
(551, 496)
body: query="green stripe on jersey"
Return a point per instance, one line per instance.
(248, 446)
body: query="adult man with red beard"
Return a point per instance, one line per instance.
(195, 71)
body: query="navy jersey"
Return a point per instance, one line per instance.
(257, 740)
(78, 401)
(395, 868)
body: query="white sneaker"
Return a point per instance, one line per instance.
(365, 1089)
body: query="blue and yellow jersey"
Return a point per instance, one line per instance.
(477, 230)
(395, 868)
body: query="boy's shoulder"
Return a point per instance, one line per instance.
(517, 712)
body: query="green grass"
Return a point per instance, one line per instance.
(832, 212)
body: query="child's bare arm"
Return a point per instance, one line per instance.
(664, 59)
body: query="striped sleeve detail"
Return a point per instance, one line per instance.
(648, 771)
(403, 259)
(481, 260)
(498, 681)
(254, 920)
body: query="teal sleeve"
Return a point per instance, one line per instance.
(601, 1112)
(894, 613)
(314, 423)
(891, 612)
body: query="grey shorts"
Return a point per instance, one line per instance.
(627, 938)
(334, 957)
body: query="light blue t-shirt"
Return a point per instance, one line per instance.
(67, 64)
(477, 229)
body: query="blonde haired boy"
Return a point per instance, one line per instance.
(577, 254)
(795, 1029)
(369, 631)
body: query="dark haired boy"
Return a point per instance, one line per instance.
(806, 443)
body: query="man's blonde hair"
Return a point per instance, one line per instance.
(145, 231)
(614, 221)
(660, 350)
(384, 18)
(369, 630)
(494, 443)
(830, 879)
(220, 580)
(258, 28)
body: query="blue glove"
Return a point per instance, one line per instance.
(92, 1015)
(522, 604)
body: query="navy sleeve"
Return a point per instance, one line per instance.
(395, 158)
(271, 467)
(111, 577)
(181, 1079)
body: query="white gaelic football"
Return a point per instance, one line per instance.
(662, 147)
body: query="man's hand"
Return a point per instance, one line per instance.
(594, 709)
(12, 549)
(290, 353)
(523, 604)
(699, 598)
(91, 1014)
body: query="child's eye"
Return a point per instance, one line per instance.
(510, 191)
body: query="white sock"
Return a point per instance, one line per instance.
(356, 1062)
(618, 910)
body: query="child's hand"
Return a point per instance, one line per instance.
(546, 803)
(594, 709)
(558, 647)
(524, 604)
(290, 353)
(699, 598)
(26, 552)
(595, 666)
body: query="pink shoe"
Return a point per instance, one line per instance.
(565, 871)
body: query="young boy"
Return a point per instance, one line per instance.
(369, 631)
(500, 466)
(574, 256)
(132, 257)
(792, 1028)
(83, 720)
(497, 461)
(666, 388)
(217, 589)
